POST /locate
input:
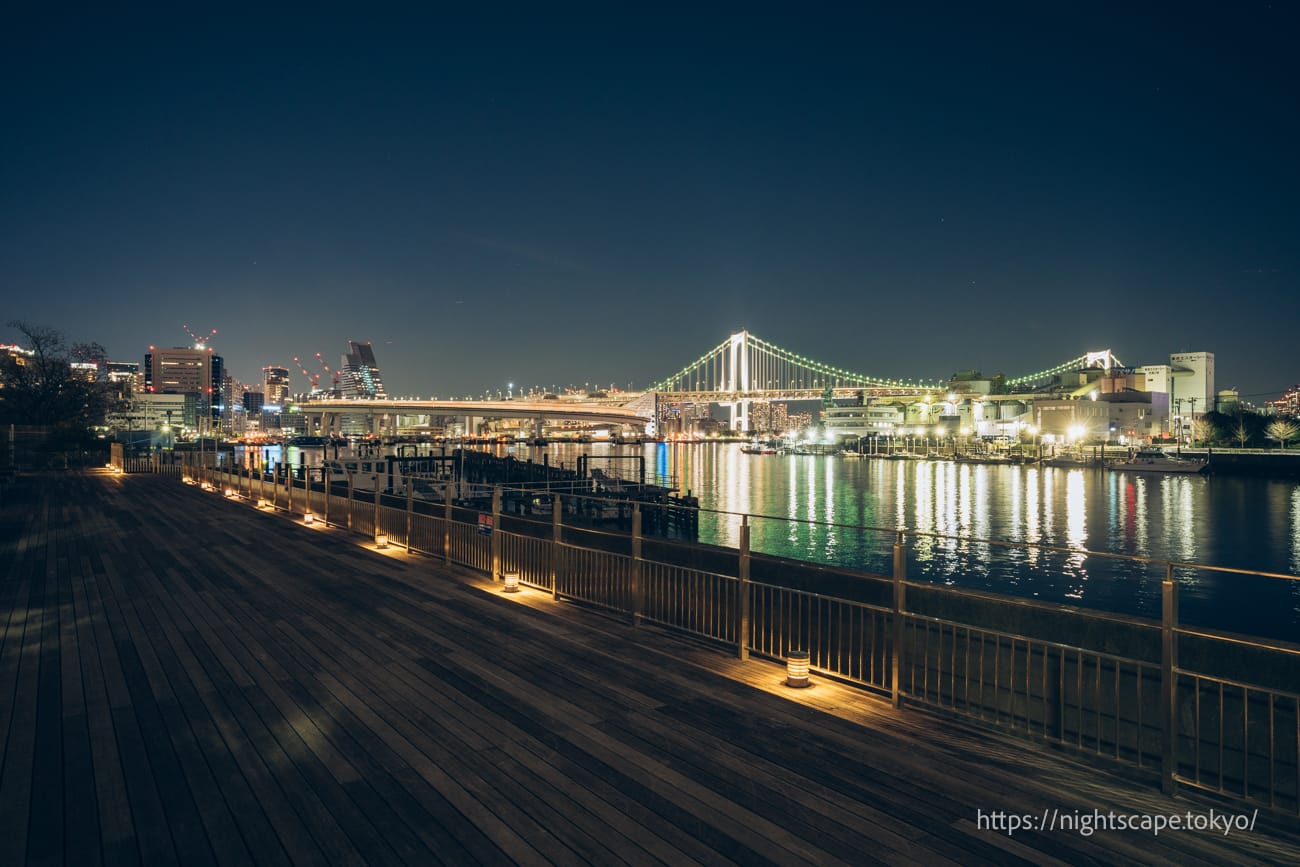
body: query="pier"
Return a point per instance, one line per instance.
(188, 678)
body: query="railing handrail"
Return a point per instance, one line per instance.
(913, 533)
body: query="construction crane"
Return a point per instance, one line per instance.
(313, 380)
(199, 342)
(334, 376)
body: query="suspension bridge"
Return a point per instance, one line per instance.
(746, 366)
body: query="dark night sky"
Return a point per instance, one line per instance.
(601, 193)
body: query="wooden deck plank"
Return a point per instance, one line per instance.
(116, 828)
(252, 832)
(19, 671)
(326, 702)
(359, 640)
(291, 736)
(310, 738)
(221, 831)
(402, 746)
(350, 642)
(80, 806)
(602, 855)
(265, 816)
(262, 755)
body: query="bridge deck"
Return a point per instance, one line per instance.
(185, 679)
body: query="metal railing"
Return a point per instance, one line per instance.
(1226, 720)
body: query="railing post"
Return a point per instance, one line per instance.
(349, 499)
(325, 480)
(374, 521)
(1168, 681)
(557, 545)
(495, 536)
(636, 602)
(446, 524)
(742, 592)
(410, 507)
(899, 607)
(288, 489)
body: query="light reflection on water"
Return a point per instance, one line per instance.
(1243, 523)
(1218, 521)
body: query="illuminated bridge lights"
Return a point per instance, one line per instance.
(744, 364)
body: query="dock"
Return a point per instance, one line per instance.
(188, 679)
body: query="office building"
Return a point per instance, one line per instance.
(359, 373)
(195, 371)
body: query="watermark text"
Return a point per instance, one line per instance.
(1087, 822)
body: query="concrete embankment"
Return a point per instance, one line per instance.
(1274, 464)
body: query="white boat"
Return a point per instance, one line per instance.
(1155, 460)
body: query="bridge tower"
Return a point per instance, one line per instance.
(737, 380)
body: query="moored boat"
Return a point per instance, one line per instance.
(1155, 460)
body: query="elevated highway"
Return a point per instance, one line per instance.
(325, 416)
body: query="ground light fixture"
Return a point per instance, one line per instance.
(796, 669)
(308, 518)
(381, 540)
(230, 492)
(511, 580)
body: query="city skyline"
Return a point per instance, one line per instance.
(498, 198)
(303, 377)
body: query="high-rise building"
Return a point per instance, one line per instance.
(275, 385)
(195, 371)
(231, 405)
(359, 373)
(768, 417)
(1191, 391)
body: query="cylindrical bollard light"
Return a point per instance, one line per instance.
(796, 669)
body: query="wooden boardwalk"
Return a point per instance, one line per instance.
(184, 679)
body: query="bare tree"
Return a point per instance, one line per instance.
(92, 353)
(1202, 429)
(1241, 433)
(1282, 430)
(39, 387)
